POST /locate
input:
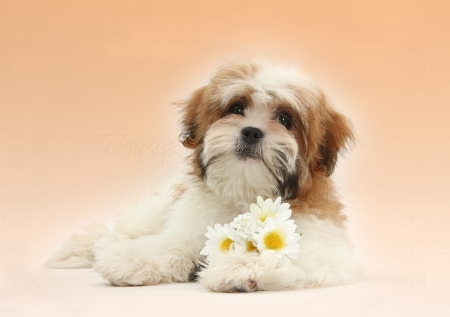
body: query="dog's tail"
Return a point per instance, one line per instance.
(77, 252)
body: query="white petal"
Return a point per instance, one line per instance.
(276, 204)
(267, 205)
(259, 200)
(254, 209)
(284, 206)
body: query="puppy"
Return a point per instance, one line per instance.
(254, 130)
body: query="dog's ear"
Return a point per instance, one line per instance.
(338, 135)
(191, 110)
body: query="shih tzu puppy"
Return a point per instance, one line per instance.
(254, 130)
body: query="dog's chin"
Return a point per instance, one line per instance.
(248, 152)
(247, 155)
(239, 177)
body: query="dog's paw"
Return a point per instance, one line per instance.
(237, 287)
(122, 264)
(239, 279)
(234, 272)
(241, 286)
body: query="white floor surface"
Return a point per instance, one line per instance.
(83, 292)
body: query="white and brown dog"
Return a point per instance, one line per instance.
(255, 130)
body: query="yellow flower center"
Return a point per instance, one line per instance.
(273, 240)
(225, 245)
(250, 247)
(265, 215)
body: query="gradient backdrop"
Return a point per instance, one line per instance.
(87, 128)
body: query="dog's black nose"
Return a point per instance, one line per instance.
(251, 135)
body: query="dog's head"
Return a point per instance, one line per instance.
(261, 130)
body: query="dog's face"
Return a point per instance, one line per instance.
(261, 130)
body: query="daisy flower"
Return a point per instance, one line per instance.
(245, 225)
(265, 229)
(278, 237)
(220, 239)
(270, 209)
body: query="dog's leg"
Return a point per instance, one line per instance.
(148, 260)
(325, 258)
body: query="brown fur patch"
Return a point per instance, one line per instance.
(179, 190)
(189, 136)
(320, 200)
(328, 134)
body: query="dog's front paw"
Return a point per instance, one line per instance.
(241, 286)
(122, 264)
(234, 272)
(240, 279)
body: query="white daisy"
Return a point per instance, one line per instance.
(270, 209)
(245, 225)
(220, 239)
(278, 237)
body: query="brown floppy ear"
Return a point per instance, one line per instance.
(190, 136)
(338, 134)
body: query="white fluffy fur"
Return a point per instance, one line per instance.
(160, 241)
(171, 253)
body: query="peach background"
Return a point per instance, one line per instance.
(87, 128)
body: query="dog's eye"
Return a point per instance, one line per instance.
(285, 120)
(237, 108)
